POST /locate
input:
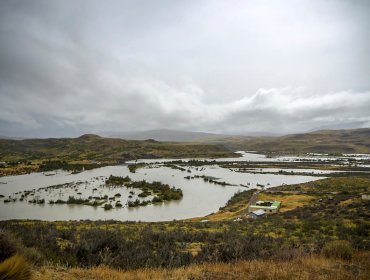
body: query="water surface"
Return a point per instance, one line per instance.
(200, 197)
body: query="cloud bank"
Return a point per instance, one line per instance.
(72, 67)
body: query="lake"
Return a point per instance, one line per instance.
(199, 197)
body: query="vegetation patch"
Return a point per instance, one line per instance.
(136, 166)
(77, 154)
(159, 192)
(288, 201)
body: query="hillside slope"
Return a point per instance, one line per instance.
(94, 147)
(324, 141)
(168, 135)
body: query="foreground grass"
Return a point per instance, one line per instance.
(308, 267)
(15, 268)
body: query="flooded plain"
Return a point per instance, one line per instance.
(200, 196)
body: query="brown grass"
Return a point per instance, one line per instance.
(350, 201)
(223, 215)
(313, 267)
(15, 268)
(288, 202)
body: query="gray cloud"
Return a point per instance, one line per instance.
(71, 67)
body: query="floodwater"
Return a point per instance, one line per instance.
(199, 197)
(255, 157)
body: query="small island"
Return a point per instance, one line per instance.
(140, 193)
(158, 191)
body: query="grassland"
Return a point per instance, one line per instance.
(308, 267)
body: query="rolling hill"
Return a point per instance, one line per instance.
(323, 141)
(168, 135)
(94, 147)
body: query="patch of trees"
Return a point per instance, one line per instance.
(117, 180)
(51, 165)
(136, 166)
(163, 192)
(73, 200)
(160, 192)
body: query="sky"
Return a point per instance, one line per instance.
(235, 67)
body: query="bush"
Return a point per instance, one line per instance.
(108, 206)
(8, 245)
(338, 249)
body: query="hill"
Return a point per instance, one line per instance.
(168, 135)
(323, 141)
(94, 147)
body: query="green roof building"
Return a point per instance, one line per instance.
(269, 207)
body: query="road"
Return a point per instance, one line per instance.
(253, 199)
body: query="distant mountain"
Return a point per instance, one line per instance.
(168, 135)
(11, 138)
(94, 147)
(338, 126)
(322, 141)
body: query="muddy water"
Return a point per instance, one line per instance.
(200, 197)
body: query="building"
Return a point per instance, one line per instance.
(269, 207)
(257, 214)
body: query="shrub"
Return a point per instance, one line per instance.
(8, 245)
(338, 249)
(108, 206)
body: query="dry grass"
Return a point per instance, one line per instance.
(223, 215)
(288, 201)
(349, 201)
(314, 267)
(15, 268)
(18, 169)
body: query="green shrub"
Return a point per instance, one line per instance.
(8, 245)
(338, 249)
(108, 206)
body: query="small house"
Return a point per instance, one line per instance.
(270, 207)
(257, 214)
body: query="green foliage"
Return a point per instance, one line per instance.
(118, 205)
(238, 199)
(161, 192)
(338, 249)
(108, 206)
(8, 245)
(117, 180)
(52, 165)
(73, 200)
(133, 167)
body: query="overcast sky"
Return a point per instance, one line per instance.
(70, 67)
